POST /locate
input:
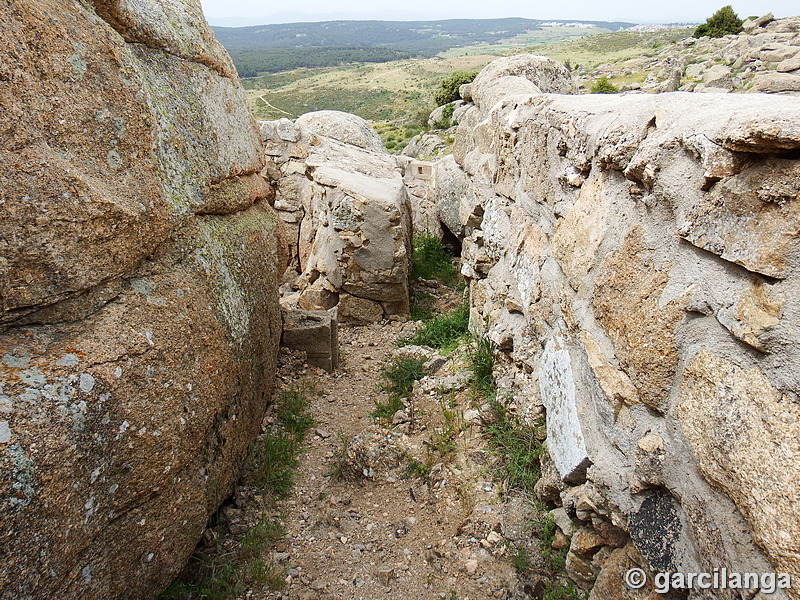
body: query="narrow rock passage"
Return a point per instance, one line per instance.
(393, 533)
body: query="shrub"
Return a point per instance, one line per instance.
(721, 23)
(447, 117)
(448, 87)
(604, 86)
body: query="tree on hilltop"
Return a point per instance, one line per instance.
(721, 23)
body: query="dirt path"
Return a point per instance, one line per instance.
(383, 530)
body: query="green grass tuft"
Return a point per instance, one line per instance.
(481, 361)
(520, 558)
(555, 590)
(400, 376)
(431, 261)
(273, 461)
(443, 332)
(518, 447)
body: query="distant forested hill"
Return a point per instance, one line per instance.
(273, 48)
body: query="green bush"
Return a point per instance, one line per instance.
(721, 23)
(447, 117)
(448, 87)
(604, 86)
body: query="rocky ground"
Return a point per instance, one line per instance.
(765, 57)
(411, 511)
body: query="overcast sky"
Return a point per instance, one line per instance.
(270, 11)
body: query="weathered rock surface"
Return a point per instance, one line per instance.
(746, 436)
(637, 258)
(343, 200)
(139, 318)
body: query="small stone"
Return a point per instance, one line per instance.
(385, 575)
(563, 521)
(322, 433)
(5, 432)
(238, 528)
(471, 566)
(560, 541)
(651, 444)
(471, 415)
(318, 585)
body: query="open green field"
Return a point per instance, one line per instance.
(590, 52)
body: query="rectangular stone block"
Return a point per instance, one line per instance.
(315, 332)
(565, 440)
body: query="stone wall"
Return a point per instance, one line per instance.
(342, 198)
(636, 259)
(139, 267)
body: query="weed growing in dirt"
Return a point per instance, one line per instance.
(222, 573)
(556, 559)
(442, 444)
(292, 404)
(340, 455)
(400, 376)
(517, 446)
(420, 469)
(259, 537)
(421, 305)
(555, 590)
(520, 559)
(443, 332)
(273, 460)
(430, 260)
(481, 361)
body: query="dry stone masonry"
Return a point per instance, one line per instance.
(636, 259)
(139, 269)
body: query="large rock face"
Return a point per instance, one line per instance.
(638, 256)
(343, 200)
(139, 267)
